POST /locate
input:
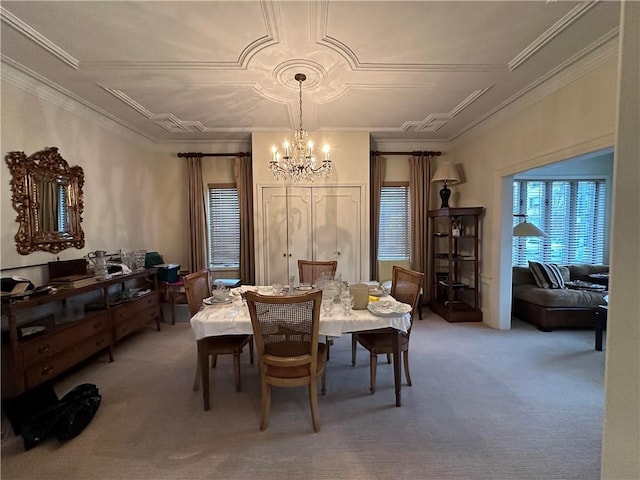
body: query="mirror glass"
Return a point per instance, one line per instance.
(47, 194)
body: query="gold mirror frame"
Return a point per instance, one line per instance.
(47, 194)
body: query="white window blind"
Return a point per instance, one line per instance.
(394, 241)
(224, 227)
(571, 212)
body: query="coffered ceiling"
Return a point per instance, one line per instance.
(207, 71)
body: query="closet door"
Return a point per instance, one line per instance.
(287, 230)
(337, 228)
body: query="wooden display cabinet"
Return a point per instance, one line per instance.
(47, 334)
(454, 253)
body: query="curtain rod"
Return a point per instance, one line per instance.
(200, 154)
(418, 152)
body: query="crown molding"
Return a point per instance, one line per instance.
(575, 67)
(31, 82)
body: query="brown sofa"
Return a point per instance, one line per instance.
(548, 308)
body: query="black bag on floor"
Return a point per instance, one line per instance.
(64, 420)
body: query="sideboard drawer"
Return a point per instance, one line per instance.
(132, 323)
(37, 350)
(56, 364)
(125, 310)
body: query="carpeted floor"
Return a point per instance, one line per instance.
(485, 404)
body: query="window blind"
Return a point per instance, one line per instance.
(394, 240)
(571, 212)
(224, 227)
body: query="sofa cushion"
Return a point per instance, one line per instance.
(582, 271)
(547, 275)
(558, 298)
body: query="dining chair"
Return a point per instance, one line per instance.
(198, 287)
(405, 288)
(310, 270)
(289, 354)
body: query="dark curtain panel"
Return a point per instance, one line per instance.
(197, 216)
(419, 189)
(377, 177)
(244, 183)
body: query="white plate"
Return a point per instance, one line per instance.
(213, 301)
(26, 331)
(388, 309)
(303, 288)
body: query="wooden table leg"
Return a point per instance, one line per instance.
(601, 320)
(203, 358)
(396, 366)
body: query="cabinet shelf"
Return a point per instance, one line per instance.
(455, 263)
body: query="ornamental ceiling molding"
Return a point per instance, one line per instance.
(589, 58)
(36, 37)
(574, 14)
(31, 82)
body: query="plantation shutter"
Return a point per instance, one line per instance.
(224, 227)
(571, 212)
(395, 229)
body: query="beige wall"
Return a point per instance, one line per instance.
(125, 183)
(576, 119)
(621, 432)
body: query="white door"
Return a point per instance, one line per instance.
(287, 230)
(337, 228)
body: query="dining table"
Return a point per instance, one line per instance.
(231, 317)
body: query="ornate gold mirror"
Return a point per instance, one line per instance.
(47, 194)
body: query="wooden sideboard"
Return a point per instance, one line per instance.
(45, 335)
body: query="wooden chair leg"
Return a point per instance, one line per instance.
(251, 350)
(196, 381)
(354, 345)
(172, 300)
(266, 404)
(313, 400)
(405, 356)
(236, 369)
(388, 358)
(214, 361)
(372, 374)
(323, 390)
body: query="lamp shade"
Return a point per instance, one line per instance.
(526, 229)
(446, 172)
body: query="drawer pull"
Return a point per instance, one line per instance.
(44, 348)
(46, 370)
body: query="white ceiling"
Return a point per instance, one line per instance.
(207, 71)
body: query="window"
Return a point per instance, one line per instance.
(394, 242)
(224, 226)
(571, 212)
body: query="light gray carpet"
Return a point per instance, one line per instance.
(485, 404)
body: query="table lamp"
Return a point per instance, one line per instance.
(446, 173)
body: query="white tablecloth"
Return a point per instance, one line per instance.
(233, 319)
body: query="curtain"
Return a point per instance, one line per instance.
(244, 183)
(197, 216)
(377, 177)
(419, 181)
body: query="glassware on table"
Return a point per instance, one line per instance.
(291, 280)
(346, 300)
(277, 288)
(327, 301)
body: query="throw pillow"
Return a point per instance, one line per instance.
(547, 275)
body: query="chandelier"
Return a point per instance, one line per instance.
(298, 162)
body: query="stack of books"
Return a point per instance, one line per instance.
(73, 281)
